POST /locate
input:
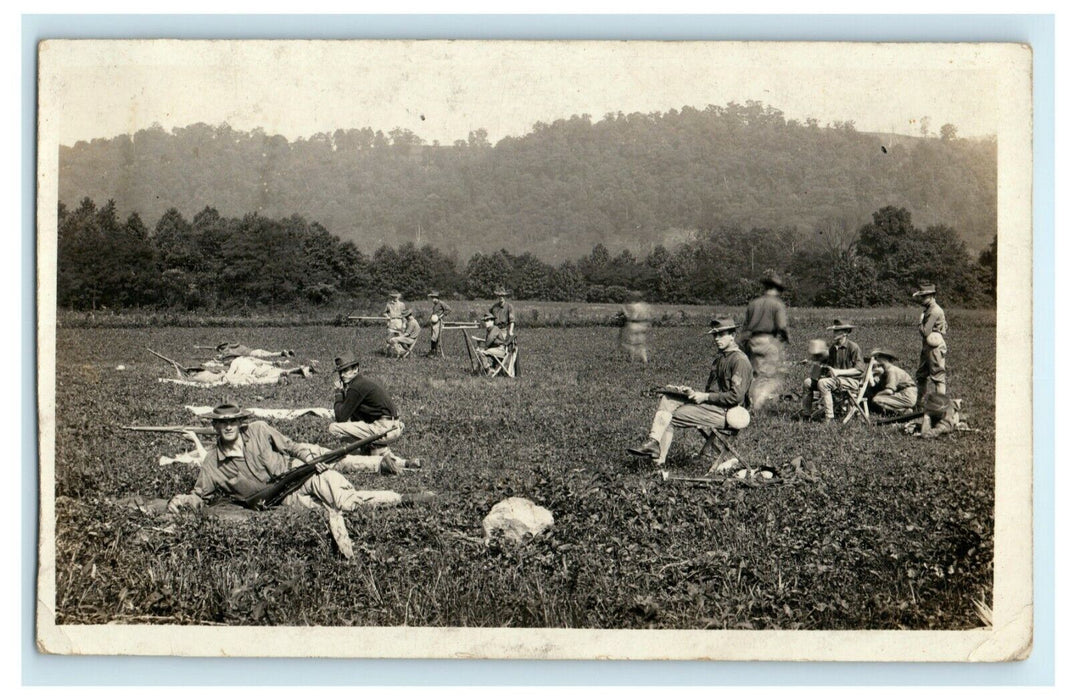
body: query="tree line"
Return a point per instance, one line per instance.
(215, 263)
(625, 180)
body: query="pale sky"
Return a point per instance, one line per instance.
(442, 90)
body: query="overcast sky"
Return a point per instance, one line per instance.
(443, 90)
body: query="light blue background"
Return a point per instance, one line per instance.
(1037, 30)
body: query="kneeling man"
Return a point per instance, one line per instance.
(895, 390)
(727, 387)
(362, 408)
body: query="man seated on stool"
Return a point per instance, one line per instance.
(720, 405)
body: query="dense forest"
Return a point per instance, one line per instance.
(626, 181)
(216, 262)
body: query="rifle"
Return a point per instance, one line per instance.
(178, 429)
(282, 486)
(182, 371)
(367, 318)
(900, 419)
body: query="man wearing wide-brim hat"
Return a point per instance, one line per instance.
(762, 336)
(841, 371)
(363, 408)
(394, 310)
(247, 456)
(941, 416)
(495, 343)
(439, 310)
(400, 343)
(721, 405)
(933, 329)
(504, 317)
(894, 391)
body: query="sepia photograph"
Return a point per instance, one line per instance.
(535, 349)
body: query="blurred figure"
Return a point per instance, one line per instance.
(764, 332)
(393, 311)
(637, 316)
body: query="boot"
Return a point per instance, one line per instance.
(390, 465)
(650, 449)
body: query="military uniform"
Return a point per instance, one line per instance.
(728, 384)
(440, 309)
(503, 315)
(401, 342)
(932, 366)
(637, 317)
(393, 312)
(764, 331)
(844, 355)
(895, 391)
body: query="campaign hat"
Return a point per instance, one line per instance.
(880, 352)
(840, 325)
(406, 313)
(433, 294)
(925, 290)
(345, 361)
(229, 411)
(501, 292)
(394, 293)
(773, 280)
(936, 403)
(720, 325)
(488, 317)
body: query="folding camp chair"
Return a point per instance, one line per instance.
(724, 439)
(859, 404)
(506, 364)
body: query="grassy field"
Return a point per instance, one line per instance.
(890, 532)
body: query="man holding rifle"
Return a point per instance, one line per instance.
(247, 458)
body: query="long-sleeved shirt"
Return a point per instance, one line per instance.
(729, 380)
(440, 309)
(766, 314)
(261, 453)
(363, 400)
(503, 315)
(394, 309)
(412, 329)
(895, 379)
(846, 356)
(933, 320)
(494, 337)
(947, 424)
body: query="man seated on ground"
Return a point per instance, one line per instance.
(895, 391)
(400, 343)
(493, 344)
(941, 416)
(229, 350)
(720, 405)
(247, 456)
(842, 370)
(362, 408)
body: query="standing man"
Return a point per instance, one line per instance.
(721, 404)
(439, 310)
(393, 311)
(504, 317)
(401, 343)
(933, 328)
(764, 332)
(637, 317)
(895, 390)
(362, 408)
(842, 370)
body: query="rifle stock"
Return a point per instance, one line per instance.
(179, 429)
(282, 486)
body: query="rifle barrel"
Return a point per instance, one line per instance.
(199, 429)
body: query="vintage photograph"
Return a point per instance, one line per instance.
(503, 349)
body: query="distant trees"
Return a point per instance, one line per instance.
(631, 179)
(218, 262)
